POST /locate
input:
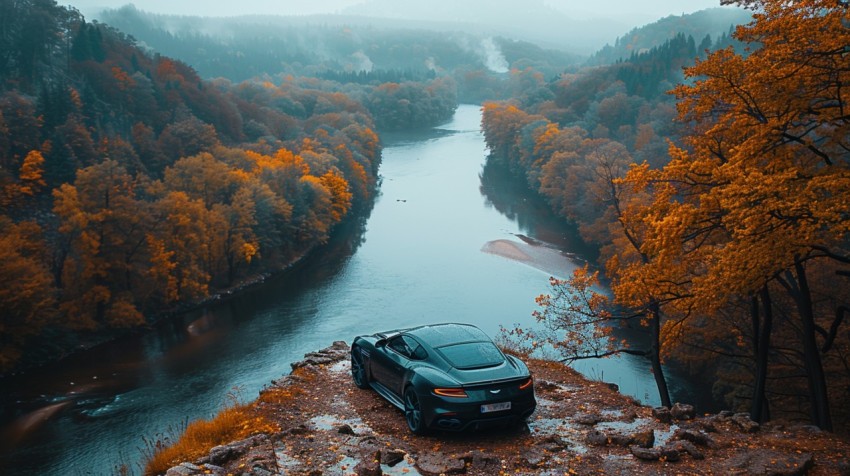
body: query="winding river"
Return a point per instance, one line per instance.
(447, 240)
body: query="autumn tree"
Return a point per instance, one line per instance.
(27, 297)
(755, 200)
(106, 225)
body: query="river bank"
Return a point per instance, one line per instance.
(315, 421)
(74, 342)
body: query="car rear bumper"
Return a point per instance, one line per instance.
(460, 416)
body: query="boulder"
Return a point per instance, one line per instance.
(345, 429)
(439, 463)
(219, 455)
(686, 447)
(693, 436)
(184, 469)
(662, 414)
(370, 465)
(654, 454)
(644, 439)
(596, 438)
(745, 423)
(682, 411)
(392, 457)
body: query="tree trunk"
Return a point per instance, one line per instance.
(759, 411)
(655, 354)
(811, 354)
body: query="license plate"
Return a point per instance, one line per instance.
(495, 407)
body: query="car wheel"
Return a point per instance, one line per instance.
(358, 370)
(413, 412)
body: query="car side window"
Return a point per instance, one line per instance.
(417, 352)
(408, 347)
(399, 345)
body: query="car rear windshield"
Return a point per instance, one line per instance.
(472, 355)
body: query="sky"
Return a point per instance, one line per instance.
(637, 12)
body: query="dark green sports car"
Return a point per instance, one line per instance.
(444, 376)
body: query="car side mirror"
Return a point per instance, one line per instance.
(380, 342)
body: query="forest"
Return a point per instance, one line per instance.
(130, 186)
(143, 169)
(718, 199)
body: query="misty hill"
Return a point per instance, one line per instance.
(713, 22)
(530, 20)
(342, 48)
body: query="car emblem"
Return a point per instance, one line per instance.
(495, 391)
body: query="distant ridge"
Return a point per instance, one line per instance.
(530, 20)
(715, 22)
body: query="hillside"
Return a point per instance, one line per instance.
(715, 23)
(347, 48)
(131, 187)
(315, 421)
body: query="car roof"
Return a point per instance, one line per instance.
(439, 335)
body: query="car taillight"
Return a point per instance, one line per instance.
(451, 392)
(526, 384)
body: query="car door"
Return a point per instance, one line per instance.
(395, 362)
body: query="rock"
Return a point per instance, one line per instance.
(693, 436)
(184, 469)
(620, 440)
(596, 438)
(298, 430)
(486, 463)
(654, 454)
(438, 463)
(686, 447)
(215, 470)
(682, 411)
(534, 458)
(336, 352)
(553, 444)
(546, 386)
(662, 414)
(644, 439)
(588, 419)
(612, 386)
(744, 423)
(346, 429)
(707, 425)
(219, 455)
(369, 466)
(392, 457)
(812, 429)
(179, 471)
(770, 462)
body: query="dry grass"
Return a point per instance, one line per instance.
(231, 424)
(234, 423)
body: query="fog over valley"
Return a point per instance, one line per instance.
(579, 27)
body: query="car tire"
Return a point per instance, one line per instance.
(358, 369)
(413, 412)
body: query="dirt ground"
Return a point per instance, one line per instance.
(328, 426)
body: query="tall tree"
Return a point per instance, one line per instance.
(757, 194)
